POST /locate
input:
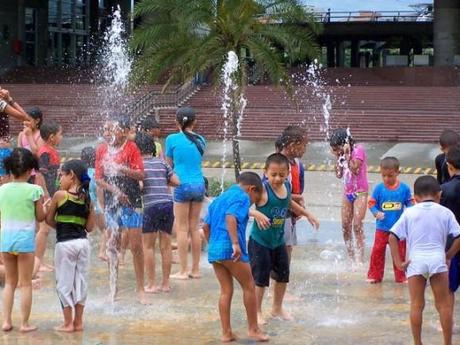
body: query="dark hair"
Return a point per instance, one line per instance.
(341, 136)
(277, 158)
(36, 114)
(449, 138)
(249, 178)
(48, 128)
(426, 185)
(279, 144)
(88, 156)
(123, 120)
(453, 157)
(291, 134)
(185, 117)
(145, 143)
(80, 170)
(389, 163)
(206, 186)
(20, 161)
(149, 122)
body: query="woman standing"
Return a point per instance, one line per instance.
(184, 152)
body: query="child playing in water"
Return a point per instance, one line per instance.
(426, 259)
(158, 216)
(151, 126)
(447, 139)
(352, 167)
(119, 168)
(88, 156)
(30, 138)
(21, 205)
(387, 203)
(72, 215)
(49, 161)
(225, 228)
(267, 247)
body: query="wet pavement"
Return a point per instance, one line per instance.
(334, 304)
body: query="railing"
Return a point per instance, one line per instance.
(373, 16)
(156, 99)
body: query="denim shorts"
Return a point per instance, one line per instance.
(189, 192)
(159, 217)
(124, 218)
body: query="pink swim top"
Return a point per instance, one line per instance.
(25, 141)
(357, 183)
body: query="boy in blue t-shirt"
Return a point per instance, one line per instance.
(387, 204)
(225, 229)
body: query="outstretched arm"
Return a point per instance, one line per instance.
(393, 242)
(297, 209)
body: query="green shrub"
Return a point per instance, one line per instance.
(214, 186)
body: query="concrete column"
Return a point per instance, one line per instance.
(446, 31)
(355, 53)
(340, 54)
(330, 54)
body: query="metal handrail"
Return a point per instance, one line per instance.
(372, 16)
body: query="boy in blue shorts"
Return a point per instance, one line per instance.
(387, 204)
(267, 247)
(225, 229)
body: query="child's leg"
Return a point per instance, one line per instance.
(260, 291)
(225, 300)
(41, 241)
(113, 245)
(400, 276)
(359, 212)
(347, 219)
(100, 221)
(11, 281)
(81, 282)
(135, 242)
(124, 245)
(166, 259)
(78, 320)
(281, 275)
(377, 261)
(148, 242)
(242, 273)
(25, 269)
(193, 221)
(417, 303)
(181, 219)
(440, 285)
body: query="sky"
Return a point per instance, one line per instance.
(357, 5)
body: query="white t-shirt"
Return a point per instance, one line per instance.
(425, 227)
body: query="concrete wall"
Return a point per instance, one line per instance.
(446, 31)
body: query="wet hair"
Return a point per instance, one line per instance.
(291, 134)
(48, 128)
(389, 163)
(145, 143)
(276, 158)
(206, 186)
(249, 178)
(426, 185)
(185, 116)
(279, 144)
(449, 138)
(80, 170)
(36, 114)
(88, 156)
(148, 123)
(123, 120)
(20, 161)
(453, 157)
(340, 137)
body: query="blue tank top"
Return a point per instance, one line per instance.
(276, 209)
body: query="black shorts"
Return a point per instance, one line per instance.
(265, 261)
(159, 217)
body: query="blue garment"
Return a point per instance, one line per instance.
(188, 192)
(4, 153)
(391, 202)
(123, 218)
(92, 190)
(186, 157)
(234, 202)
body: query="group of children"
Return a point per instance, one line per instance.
(124, 184)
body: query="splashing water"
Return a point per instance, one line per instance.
(228, 71)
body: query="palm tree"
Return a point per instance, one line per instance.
(180, 38)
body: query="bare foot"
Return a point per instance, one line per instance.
(151, 289)
(142, 299)
(373, 281)
(103, 257)
(228, 338)
(166, 288)
(257, 335)
(282, 314)
(77, 327)
(45, 268)
(27, 328)
(65, 328)
(180, 276)
(36, 284)
(7, 326)
(260, 319)
(194, 275)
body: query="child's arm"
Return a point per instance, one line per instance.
(353, 164)
(173, 181)
(454, 248)
(91, 220)
(51, 214)
(136, 174)
(393, 242)
(232, 231)
(297, 209)
(206, 231)
(373, 203)
(298, 198)
(39, 210)
(122, 197)
(262, 220)
(30, 138)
